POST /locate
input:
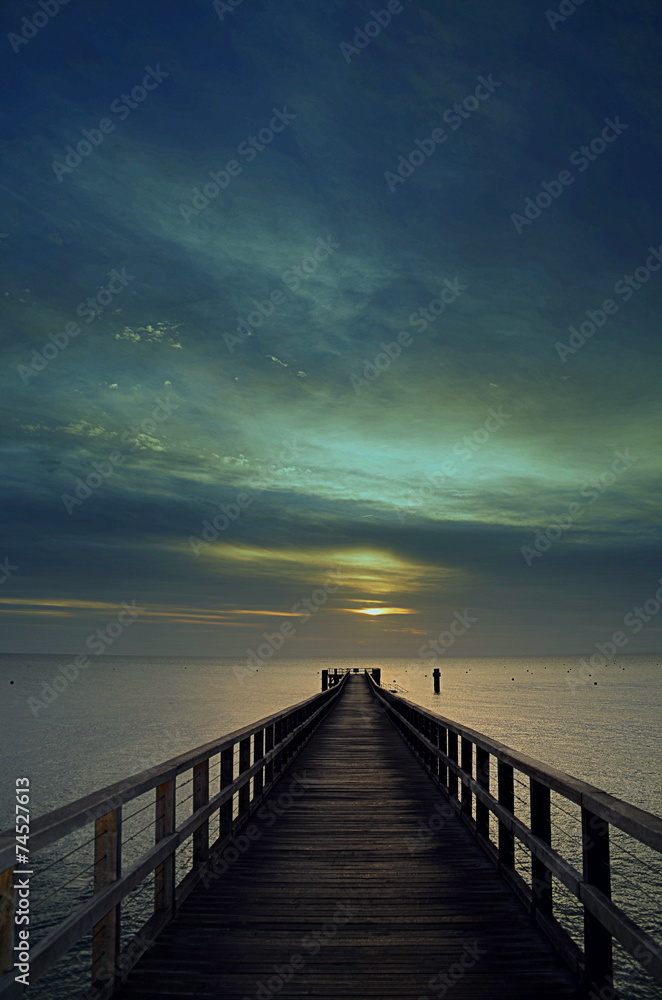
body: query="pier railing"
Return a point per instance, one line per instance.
(226, 781)
(512, 804)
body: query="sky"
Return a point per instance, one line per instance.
(330, 329)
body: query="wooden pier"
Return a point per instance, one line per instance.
(359, 852)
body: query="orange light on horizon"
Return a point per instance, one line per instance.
(380, 611)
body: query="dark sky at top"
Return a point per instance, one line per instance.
(352, 347)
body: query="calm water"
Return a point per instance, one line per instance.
(124, 714)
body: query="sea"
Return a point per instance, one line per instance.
(123, 714)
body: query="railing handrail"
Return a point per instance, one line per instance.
(53, 825)
(467, 783)
(637, 822)
(265, 747)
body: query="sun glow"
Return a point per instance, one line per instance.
(381, 611)
(365, 570)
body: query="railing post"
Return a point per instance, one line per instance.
(164, 876)
(435, 736)
(443, 766)
(424, 729)
(107, 868)
(7, 910)
(279, 732)
(225, 817)
(541, 827)
(452, 756)
(200, 798)
(483, 779)
(507, 800)
(268, 746)
(244, 764)
(598, 971)
(258, 750)
(433, 760)
(467, 763)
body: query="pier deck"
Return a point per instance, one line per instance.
(354, 892)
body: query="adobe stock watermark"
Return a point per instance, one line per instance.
(460, 623)
(104, 470)
(275, 640)
(590, 492)
(581, 158)
(565, 9)
(98, 642)
(88, 309)
(122, 107)
(311, 944)
(231, 512)
(7, 569)
(428, 829)
(635, 620)
(625, 287)
(292, 279)
(31, 26)
(379, 19)
(454, 118)
(465, 449)
(444, 981)
(420, 320)
(249, 149)
(134, 950)
(268, 814)
(223, 7)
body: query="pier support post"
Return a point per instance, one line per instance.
(200, 798)
(227, 776)
(598, 971)
(244, 764)
(7, 910)
(507, 800)
(541, 826)
(453, 780)
(164, 876)
(258, 750)
(436, 675)
(268, 747)
(443, 766)
(107, 868)
(483, 779)
(466, 764)
(325, 680)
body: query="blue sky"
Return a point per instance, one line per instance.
(350, 373)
